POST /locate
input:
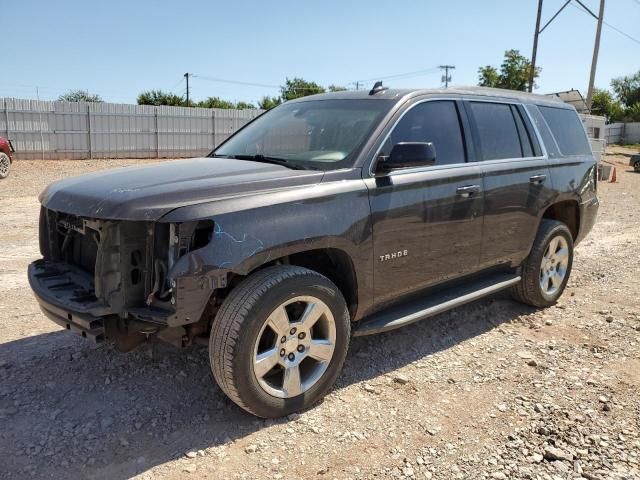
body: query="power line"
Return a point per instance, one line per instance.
(179, 82)
(400, 75)
(612, 27)
(235, 82)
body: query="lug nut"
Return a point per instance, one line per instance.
(293, 331)
(282, 352)
(292, 357)
(300, 348)
(283, 339)
(301, 335)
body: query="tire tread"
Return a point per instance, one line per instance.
(227, 326)
(527, 290)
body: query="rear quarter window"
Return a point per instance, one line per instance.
(567, 129)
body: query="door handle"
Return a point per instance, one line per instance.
(537, 179)
(467, 190)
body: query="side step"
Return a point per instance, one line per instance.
(421, 308)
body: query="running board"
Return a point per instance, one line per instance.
(439, 302)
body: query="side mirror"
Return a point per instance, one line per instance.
(408, 154)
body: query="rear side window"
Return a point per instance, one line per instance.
(567, 129)
(436, 122)
(541, 125)
(497, 130)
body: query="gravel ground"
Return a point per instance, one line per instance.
(491, 390)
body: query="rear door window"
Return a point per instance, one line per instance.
(497, 130)
(567, 130)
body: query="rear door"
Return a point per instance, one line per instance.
(427, 221)
(516, 179)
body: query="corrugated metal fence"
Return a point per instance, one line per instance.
(63, 130)
(623, 132)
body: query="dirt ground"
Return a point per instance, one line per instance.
(491, 390)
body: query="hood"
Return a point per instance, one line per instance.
(151, 191)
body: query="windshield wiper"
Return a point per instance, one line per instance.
(266, 159)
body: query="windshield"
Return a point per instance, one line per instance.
(316, 134)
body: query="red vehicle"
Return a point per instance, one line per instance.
(6, 149)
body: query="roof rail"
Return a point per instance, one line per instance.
(377, 87)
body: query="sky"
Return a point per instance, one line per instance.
(119, 48)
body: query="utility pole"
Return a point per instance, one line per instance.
(535, 47)
(594, 61)
(446, 78)
(187, 75)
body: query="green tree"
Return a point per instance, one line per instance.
(158, 97)
(627, 89)
(267, 103)
(298, 87)
(245, 106)
(513, 74)
(605, 104)
(336, 88)
(80, 96)
(215, 102)
(632, 113)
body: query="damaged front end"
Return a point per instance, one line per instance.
(111, 280)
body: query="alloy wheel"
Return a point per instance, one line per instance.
(554, 265)
(294, 347)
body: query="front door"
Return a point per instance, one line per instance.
(427, 221)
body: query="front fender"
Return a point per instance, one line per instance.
(334, 215)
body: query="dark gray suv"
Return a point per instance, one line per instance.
(333, 215)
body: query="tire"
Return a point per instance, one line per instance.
(250, 325)
(5, 165)
(552, 235)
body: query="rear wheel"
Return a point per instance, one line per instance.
(279, 340)
(5, 165)
(546, 271)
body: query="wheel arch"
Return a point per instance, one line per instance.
(567, 212)
(334, 263)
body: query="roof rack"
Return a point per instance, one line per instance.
(377, 87)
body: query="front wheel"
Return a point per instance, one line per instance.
(279, 340)
(546, 270)
(5, 165)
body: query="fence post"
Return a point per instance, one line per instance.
(89, 145)
(6, 117)
(40, 122)
(213, 128)
(155, 116)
